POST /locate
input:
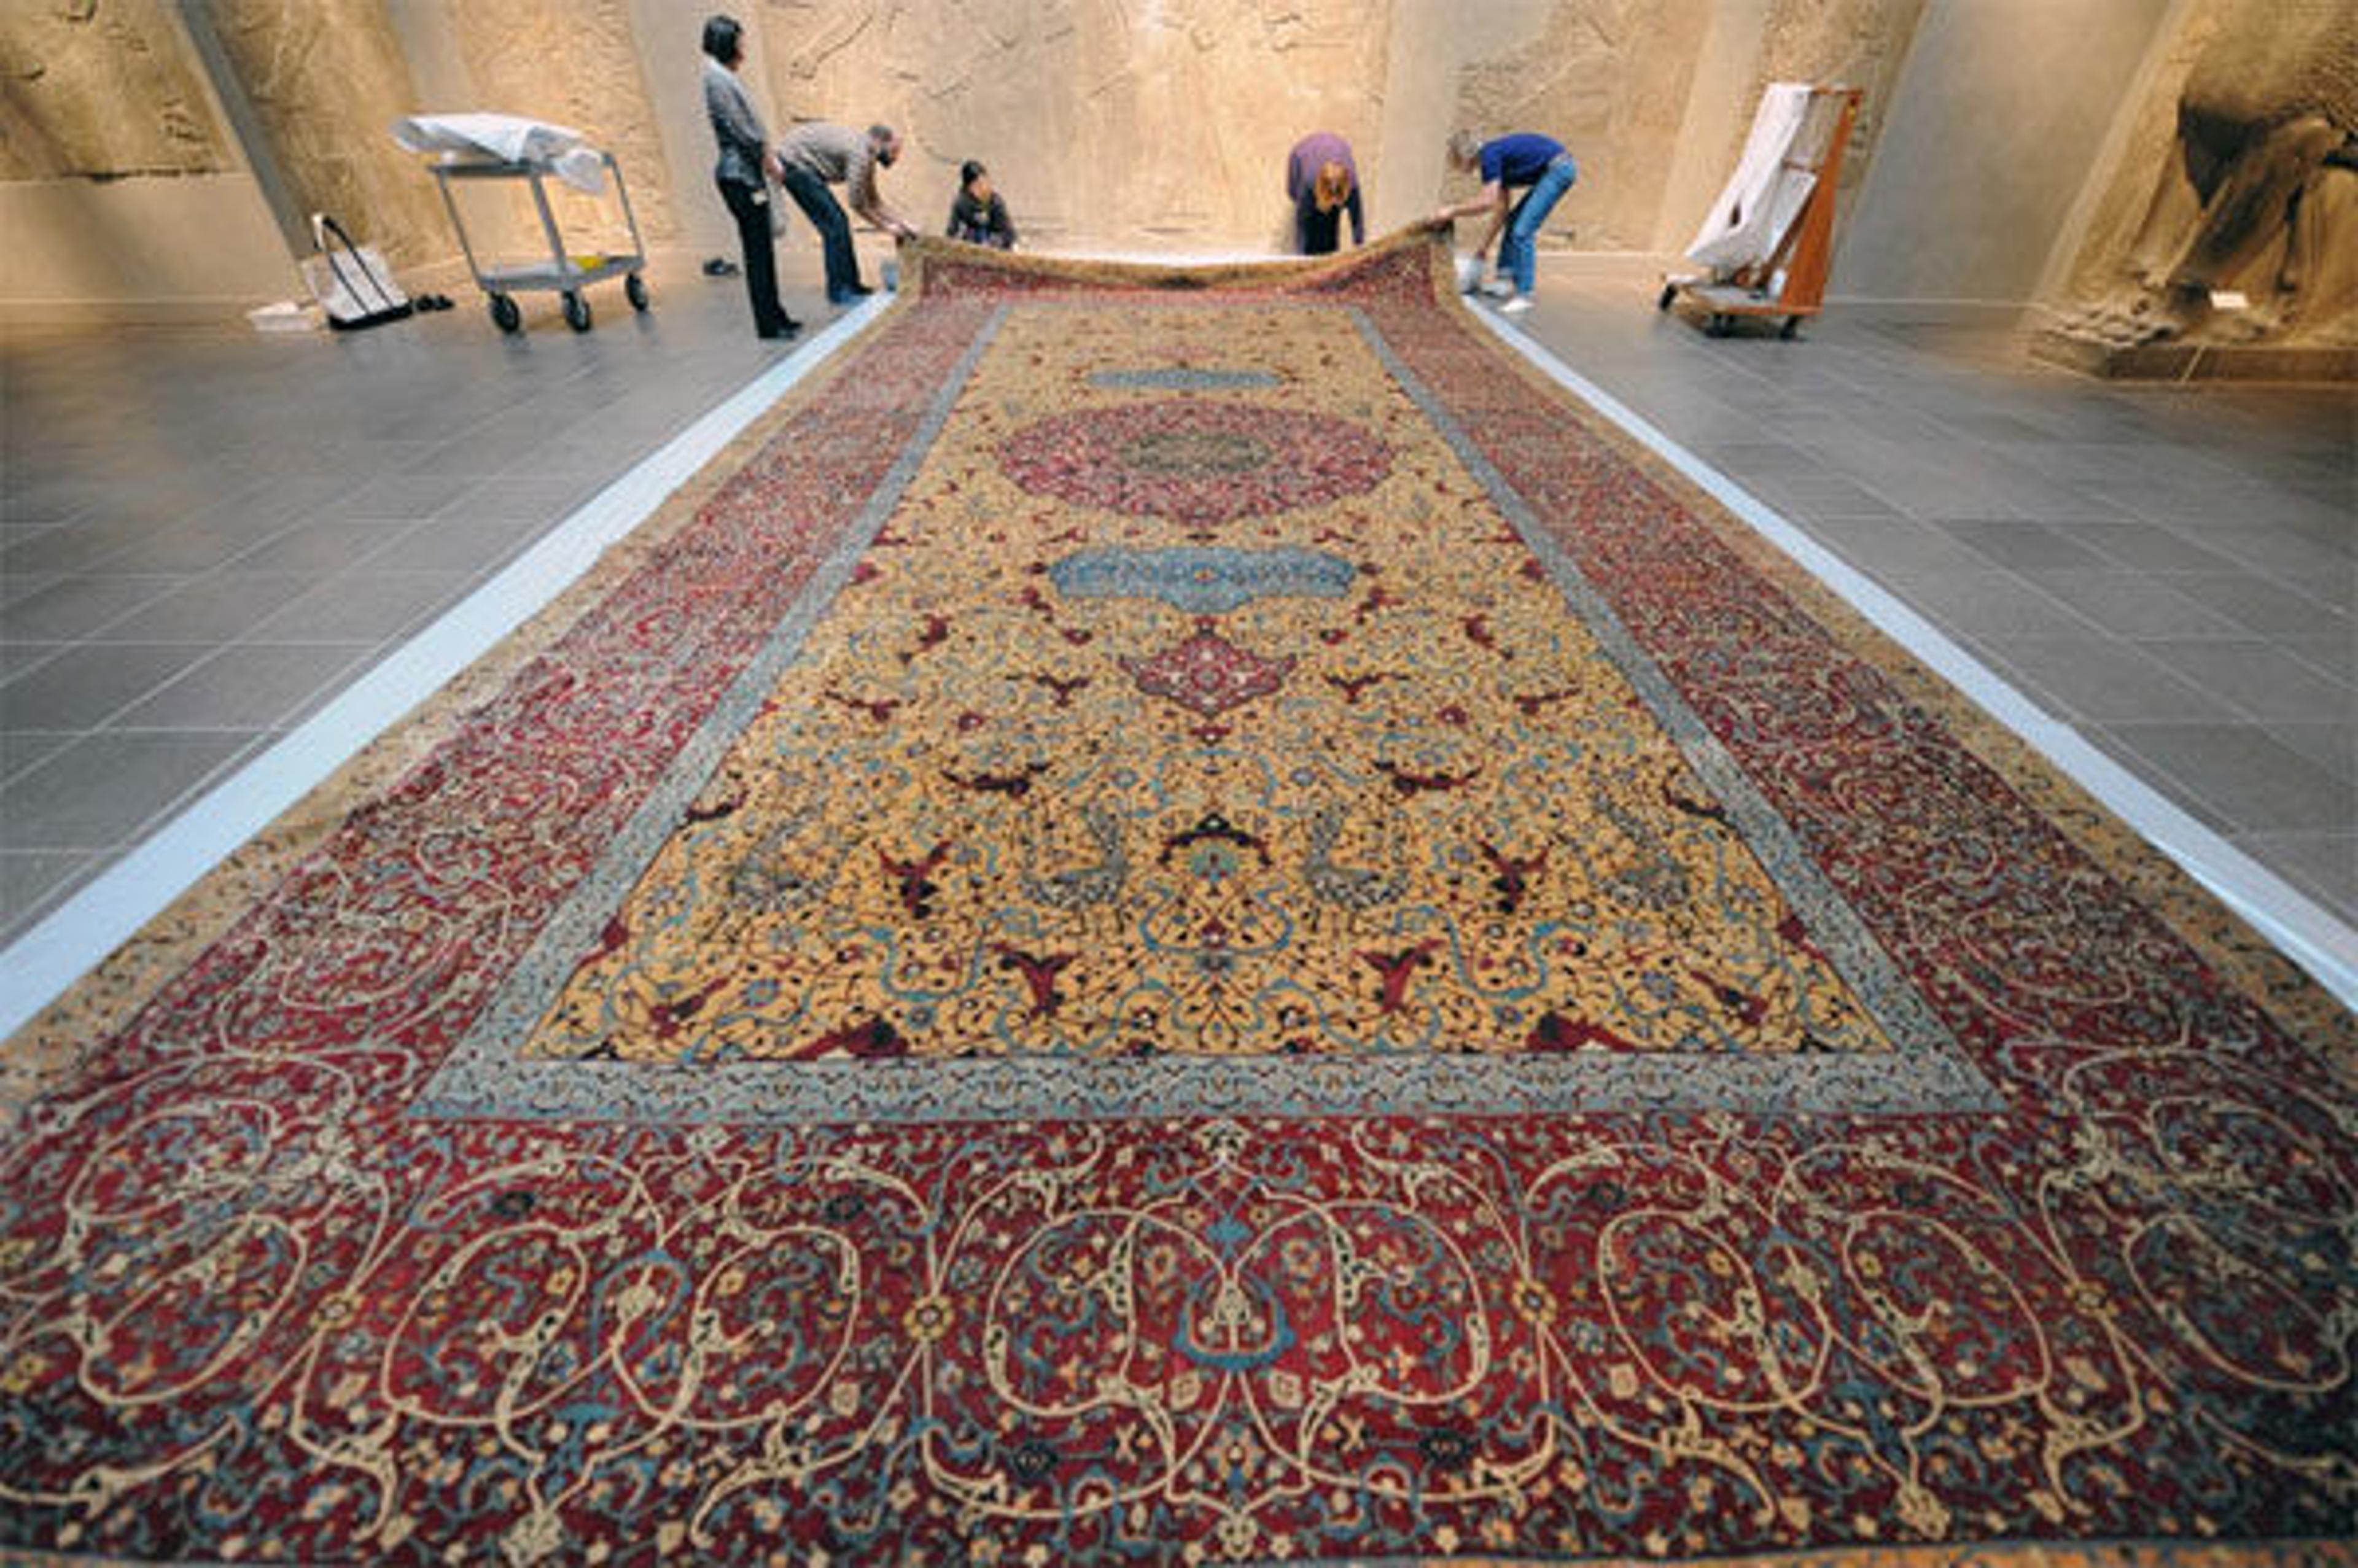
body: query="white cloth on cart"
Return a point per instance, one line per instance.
(1773, 179)
(511, 138)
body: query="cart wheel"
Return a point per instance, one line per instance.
(634, 290)
(1670, 292)
(1791, 329)
(576, 311)
(504, 314)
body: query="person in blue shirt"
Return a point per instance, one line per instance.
(1526, 161)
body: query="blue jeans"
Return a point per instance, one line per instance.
(825, 214)
(1516, 257)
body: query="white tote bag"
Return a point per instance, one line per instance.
(350, 281)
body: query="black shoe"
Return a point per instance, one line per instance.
(786, 329)
(848, 293)
(720, 266)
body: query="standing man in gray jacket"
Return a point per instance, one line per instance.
(745, 161)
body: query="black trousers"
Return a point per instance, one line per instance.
(749, 205)
(1318, 234)
(825, 213)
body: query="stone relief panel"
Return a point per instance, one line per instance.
(1609, 80)
(2240, 176)
(326, 80)
(1104, 125)
(1837, 43)
(572, 62)
(101, 89)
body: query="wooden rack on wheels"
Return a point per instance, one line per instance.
(1790, 281)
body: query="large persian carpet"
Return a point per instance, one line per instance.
(1184, 917)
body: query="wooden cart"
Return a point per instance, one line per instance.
(1790, 281)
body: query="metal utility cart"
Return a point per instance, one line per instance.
(567, 275)
(1790, 280)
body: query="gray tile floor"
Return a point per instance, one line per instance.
(2171, 571)
(205, 534)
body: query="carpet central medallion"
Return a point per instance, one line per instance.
(1195, 462)
(1046, 779)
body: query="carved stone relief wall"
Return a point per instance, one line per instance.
(1609, 79)
(1839, 43)
(103, 89)
(574, 62)
(326, 80)
(2239, 176)
(1163, 124)
(1108, 125)
(1104, 125)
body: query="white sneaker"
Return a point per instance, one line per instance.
(1498, 289)
(1517, 306)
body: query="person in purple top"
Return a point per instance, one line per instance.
(1323, 183)
(1538, 166)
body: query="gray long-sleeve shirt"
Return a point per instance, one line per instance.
(836, 154)
(736, 124)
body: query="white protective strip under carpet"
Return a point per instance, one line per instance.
(2304, 931)
(42, 963)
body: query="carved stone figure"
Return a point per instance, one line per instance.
(102, 94)
(2265, 164)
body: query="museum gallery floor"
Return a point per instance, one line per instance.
(1183, 915)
